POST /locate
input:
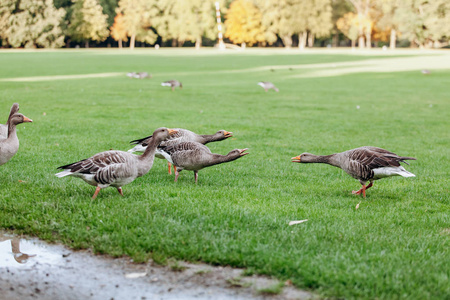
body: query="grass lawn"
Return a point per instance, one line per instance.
(396, 245)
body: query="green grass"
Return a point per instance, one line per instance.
(396, 245)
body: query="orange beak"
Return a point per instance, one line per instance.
(25, 119)
(172, 131)
(296, 159)
(227, 133)
(242, 152)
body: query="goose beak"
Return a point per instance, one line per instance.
(296, 159)
(172, 131)
(242, 152)
(227, 134)
(25, 119)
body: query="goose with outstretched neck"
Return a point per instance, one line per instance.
(9, 143)
(364, 163)
(116, 168)
(194, 156)
(182, 135)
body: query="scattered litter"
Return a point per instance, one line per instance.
(358, 107)
(297, 222)
(44, 113)
(135, 275)
(357, 205)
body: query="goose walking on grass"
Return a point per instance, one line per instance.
(173, 84)
(9, 142)
(115, 168)
(266, 85)
(194, 156)
(364, 163)
(182, 135)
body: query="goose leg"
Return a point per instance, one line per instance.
(196, 176)
(96, 192)
(119, 189)
(176, 175)
(170, 170)
(362, 190)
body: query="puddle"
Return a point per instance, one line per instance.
(32, 269)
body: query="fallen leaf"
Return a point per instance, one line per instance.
(357, 205)
(44, 113)
(135, 275)
(296, 222)
(21, 181)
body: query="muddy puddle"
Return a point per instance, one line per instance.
(32, 269)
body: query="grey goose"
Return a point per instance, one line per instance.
(194, 156)
(115, 168)
(9, 143)
(364, 163)
(266, 85)
(173, 84)
(182, 135)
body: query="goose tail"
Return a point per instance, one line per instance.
(63, 173)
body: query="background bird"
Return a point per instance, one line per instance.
(194, 156)
(364, 163)
(266, 85)
(173, 84)
(182, 135)
(9, 143)
(115, 168)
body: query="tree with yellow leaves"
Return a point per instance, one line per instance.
(349, 26)
(118, 30)
(243, 23)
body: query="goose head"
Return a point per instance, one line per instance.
(163, 133)
(223, 134)
(303, 158)
(19, 118)
(236, 153)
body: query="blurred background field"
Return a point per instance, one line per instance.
(394, 246)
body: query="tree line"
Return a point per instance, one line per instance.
(287, 23)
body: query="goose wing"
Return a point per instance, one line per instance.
(106, 167)
(186, 153)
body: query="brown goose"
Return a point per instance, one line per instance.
(194, 156)
(266, 85)
(115, 168)
(364, 163)
(182, 135)
(9, 144)
(172, 83)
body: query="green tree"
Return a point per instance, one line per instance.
(88, 22)
(243, 23)
(33, 23)
(137, 17)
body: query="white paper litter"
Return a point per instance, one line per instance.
(135, 275)
(296, 222)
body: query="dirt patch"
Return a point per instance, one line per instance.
(32, 269)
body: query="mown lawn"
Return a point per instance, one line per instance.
(396, 245)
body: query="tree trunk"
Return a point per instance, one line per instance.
(243, 45)
(120, 43)
(287, 41)
(311, 40)
(393, 39)
(369, 37)
(361, 42)
(353, 44)
(132, 41)
(86, 44)
(302, 40)
(198, 43)
(335, 41)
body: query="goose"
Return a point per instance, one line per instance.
(182, 135)
(364, 163)
(172, 83)
(142, 75)
(266, 85)
(4, 127)
(9, 144)
(194, 156)
(115, 168)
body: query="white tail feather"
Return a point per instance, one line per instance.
(391, 171)
(63, 173)
(166, 84)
